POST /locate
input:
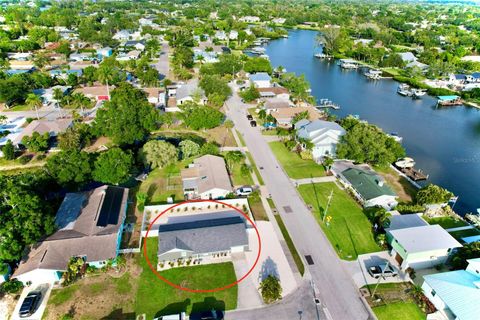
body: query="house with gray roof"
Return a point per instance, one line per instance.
(90, 225)
(455, 294)
(368, 186)
(421, 247)
(206, 178)
(325, 135)
(190, 91)
(202, 239)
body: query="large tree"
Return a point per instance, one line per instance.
(189, 148)
(113, 166)
(433, 194)
(158, 153)
(70, 168)
(128, 117)
(36, 142)
(198, 117)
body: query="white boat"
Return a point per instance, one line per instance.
(404, 90)
(373, 74)
(405, 163)
(349, 65)
(258, 50)
(265, 56)
(396, 137)
(417, 93)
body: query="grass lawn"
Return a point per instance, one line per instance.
(465, 233)
(255, 203)
(349, 230)
(240, 137)
(447, 222)
(403, 188)
(255, 168)
(154, 297)
(399, 311)
(295, 167)
(238, 179)
(291, 246)
(164, 183)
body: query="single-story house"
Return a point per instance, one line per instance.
(52, 127)
(367, 186)
(47, 95)
(249, 19)
(14, 127)
(131, 55)
(188, 92)
(274, 92)
(285, 116)
(90, 225)
(137, 44)
(274, 104)
(421, 247)
(122, 35)
(206, 178)
(201, 239)
(325, 135)
(260, 80)
(155, 96)
(77, 65)
(205, 56)
(95, 92)
(63, 74)
(21, 64)
(455, 294)
(83, 56)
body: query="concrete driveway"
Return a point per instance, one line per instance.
(358, 268)
(45, 289)
(248, 294)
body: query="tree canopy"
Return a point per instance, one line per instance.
(113, 166)
(198, 117)
(158, 154)
(70, 168)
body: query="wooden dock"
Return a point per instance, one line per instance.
(414, 174)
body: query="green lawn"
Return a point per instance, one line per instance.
(238, 179)
(164, 183)
(291, 246)
(447, 222)
(295, 167)
(399, 311)
(240, 137)
(154, 297)
(349, 230)
(465, 233)
(255, 168)
(256, 205)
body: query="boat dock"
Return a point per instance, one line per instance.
(323, 56)
(446, 101)
(414, 174)
(326, 103)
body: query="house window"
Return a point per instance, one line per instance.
(433, 293)
(184, 254)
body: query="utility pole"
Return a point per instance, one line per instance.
(328, 205)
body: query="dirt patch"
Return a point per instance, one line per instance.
(402, 187)
(223, 136)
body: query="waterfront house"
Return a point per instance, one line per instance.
(420, 246)
(260, 80)
(368, 187)
(285, 116)
(455, 294)
(52, 127)
(90, 225)
(206, 178)
(203, 240)
(324, 135)
(274, 92)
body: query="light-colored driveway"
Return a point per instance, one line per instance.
(248, 294)
(337, 291)
(163, 63)
(359, 268)
(46, 289)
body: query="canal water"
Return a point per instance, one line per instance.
(445, 143)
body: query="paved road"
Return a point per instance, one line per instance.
(336, 288)
(163, 64)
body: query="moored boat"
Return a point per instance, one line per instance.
(404, 90)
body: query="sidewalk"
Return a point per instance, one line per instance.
(314, 180)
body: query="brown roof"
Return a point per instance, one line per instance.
(276, 103)
(52, 127)
(287, 114)
(153, 92)
(209, 172)
(79, 233)
(94, 91)
(276, 90)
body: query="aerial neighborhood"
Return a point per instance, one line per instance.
(239, 160)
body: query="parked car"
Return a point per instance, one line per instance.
(386, 269)
(244, 191)
(207, 315)
(30, 304)
(249, 117)
(253, 123)
(178, 316)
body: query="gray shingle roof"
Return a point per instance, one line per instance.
(203, 236)
(405, 221)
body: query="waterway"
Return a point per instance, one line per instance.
(445, 143)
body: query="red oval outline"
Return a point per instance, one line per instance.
(176, 286)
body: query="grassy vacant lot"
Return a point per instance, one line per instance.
(394, 301)
(291, 246)
(349, 230)
(238, 179)
(295, 167)
(154, 297)
(447, 222)
(403, 188)
(255, 203)
(164, 183)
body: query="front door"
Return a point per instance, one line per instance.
(399, 259)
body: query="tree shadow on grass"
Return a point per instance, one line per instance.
(174, 308)
(118, 314)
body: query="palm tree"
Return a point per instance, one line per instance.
(79, 100)
(34, 102)
(105, 75)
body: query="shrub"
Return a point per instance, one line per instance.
(11, 286)
(24, 159)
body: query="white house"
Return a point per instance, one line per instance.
(325, 135)
(122, 35)
(233, 35)
(221, 35)
(137, 44)
(422, 246)
(455, 294)
(250, 19)
(206, 178)
(260, 80)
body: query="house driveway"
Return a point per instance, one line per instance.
(46, 289)
(358, 268)
(272, 259)
(248, 294)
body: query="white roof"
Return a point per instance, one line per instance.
(424, 238)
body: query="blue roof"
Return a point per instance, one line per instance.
(448, 98)
(17, 71)
(471, 239)
(261, 76)
(459, 291)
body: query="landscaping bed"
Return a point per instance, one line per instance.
(349, 230)
(291, 246)
(296, 167)
(256, 205)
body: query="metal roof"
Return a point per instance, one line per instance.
(368, 185)
(424, 238)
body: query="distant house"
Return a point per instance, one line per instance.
(204, 239)
(137, 44)
(274, 92)
(52, 127)
(104, 52)
(90, 225)
(206, 178)
(233, 35)
(155, 95)
(221, 35)
(249, 19)
(131, 55)
(63, 74)
(421, 246)
(99, 93)
(13, 127)
(48, 95)
(367, 186)
(275, 104)
(411, 61)
(21, 64)
(261, 80)
(122, 35)
(279, 20)
(200, 55)
(285, 116)
(325, 135)
(455, 294)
